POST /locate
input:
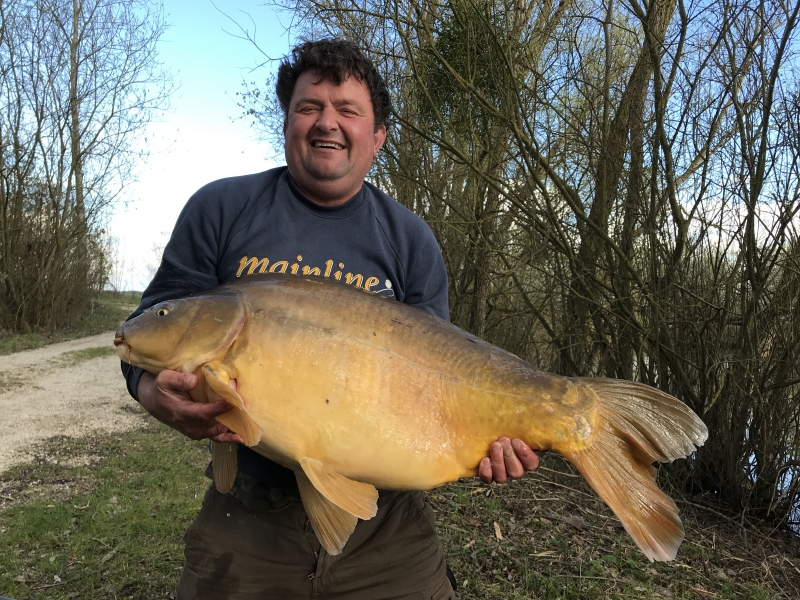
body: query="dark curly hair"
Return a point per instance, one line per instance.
(335, 59)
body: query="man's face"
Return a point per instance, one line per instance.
(330, 137)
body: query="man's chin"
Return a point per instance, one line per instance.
(327, 187)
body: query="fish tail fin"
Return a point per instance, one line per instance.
(638, 425)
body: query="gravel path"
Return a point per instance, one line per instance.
(44, 394)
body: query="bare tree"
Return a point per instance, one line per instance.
(615, 189)
(78, 80)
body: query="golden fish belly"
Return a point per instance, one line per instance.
(383, 401)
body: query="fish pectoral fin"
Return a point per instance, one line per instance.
(240, 422)
(359, 499)
(237, 420)
(216, 381)
(332, 525)
(224, 463)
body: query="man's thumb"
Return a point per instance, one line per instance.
(188, 381)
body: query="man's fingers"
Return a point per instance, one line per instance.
(513, 468)
(212, 409)
(188, 382)
(175, 381)
(220, 433)
(485, 470)
(498, 463)
(198, 420)
(528, 458)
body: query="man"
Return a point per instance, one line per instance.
(315, 217)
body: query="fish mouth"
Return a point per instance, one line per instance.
(123, 349)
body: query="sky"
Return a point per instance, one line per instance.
(200, 138)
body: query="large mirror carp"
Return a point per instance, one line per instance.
(355, 393)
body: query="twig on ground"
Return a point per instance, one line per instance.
(47, 585)
(565, 474)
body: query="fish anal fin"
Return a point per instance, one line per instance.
(236, 420)
(332, 525)
(359, 499)
(225, 464)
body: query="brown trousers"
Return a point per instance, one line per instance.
(237, 553)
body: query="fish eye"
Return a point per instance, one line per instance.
(163, 311)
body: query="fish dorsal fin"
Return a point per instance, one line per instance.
(237, 420)
(332, 525)
(224, 463)
(359, 499)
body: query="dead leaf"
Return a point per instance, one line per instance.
(108, 556)
(577, 522)
(497, 533)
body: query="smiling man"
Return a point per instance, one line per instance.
(315, 217)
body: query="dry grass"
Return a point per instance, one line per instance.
(560, 541)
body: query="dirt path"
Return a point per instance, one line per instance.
(57, 390)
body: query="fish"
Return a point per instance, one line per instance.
(357, 393)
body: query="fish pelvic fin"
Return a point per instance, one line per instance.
(332, 525)
(359, 499)
(639, 425)
(225, 464)
(237, 419)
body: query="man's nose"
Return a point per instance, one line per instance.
(327, 119)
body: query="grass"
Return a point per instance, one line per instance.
(103, 518)
(107, 312)
(9, 381)
(100, 518)
(75, 357)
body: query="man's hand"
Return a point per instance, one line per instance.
(506, 459)
(166, 397)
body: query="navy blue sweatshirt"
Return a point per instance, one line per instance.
(262, 223)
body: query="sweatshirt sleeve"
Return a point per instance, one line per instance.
(189, 263)
(426, 285)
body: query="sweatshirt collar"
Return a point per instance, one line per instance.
(328, 212)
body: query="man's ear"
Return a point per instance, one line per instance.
(380, 138)
(284, 128)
